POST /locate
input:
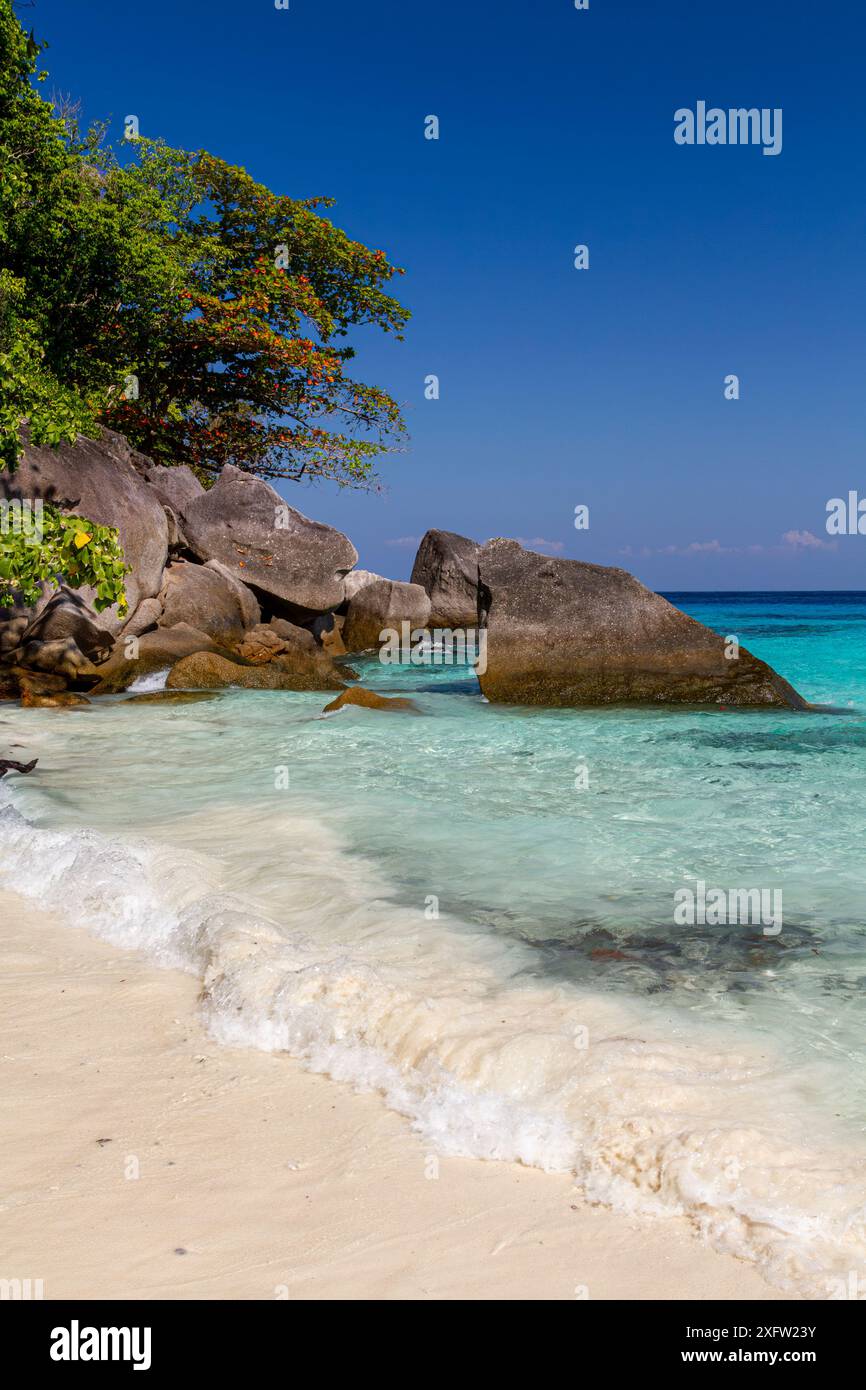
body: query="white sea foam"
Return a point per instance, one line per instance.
(154, 680)
(309, 953)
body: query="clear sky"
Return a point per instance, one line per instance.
(559, 387)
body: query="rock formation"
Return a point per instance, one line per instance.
(297, 567)
(379, 604)
(562, 632)
(446, 567)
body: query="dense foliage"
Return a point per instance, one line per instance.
(234, 330)
(51, 544)
(169, 295)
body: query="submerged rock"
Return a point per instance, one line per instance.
(62, 699)
(358, 695)
(172, 697)
(563, 632)
(446, 567)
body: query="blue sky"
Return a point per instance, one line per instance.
(558, 387)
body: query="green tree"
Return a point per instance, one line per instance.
(237, 336)
(47, 193)
(39, 176)
(171, 296)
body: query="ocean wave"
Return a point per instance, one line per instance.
(300, 948)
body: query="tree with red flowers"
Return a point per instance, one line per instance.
(232, 326)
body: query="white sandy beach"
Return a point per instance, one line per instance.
(257, 1179)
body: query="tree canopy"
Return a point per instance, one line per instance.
(167, 294)
(235, 331)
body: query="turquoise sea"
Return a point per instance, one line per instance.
(472, 912)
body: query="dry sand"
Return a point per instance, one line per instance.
(141, 1160)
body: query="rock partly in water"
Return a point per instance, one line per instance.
(62, 699)
(172, 697)
(36, 682)
(446, 567)
(563, 632)
(383, 605)
(8, 685)
(368, 699)
(208, 598)
(208, 671)
(155, 651)
(97, 479)
(297, 567)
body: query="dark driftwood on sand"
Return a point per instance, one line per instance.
(8, 765)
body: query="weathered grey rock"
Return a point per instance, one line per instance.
(562, 632)
(359, 579)
(296, 566)
(207, 671)
(66, 617)
(155, 651)
(175, 486)
(61, 657)
(146, 616)
(13, 625)
(177, 541)
(446, 567)
(208, 598)
(383, 604)
(96, 479)
(251, 612)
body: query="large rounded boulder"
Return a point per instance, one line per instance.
(297, 567)
(446, 567)
(208, 598)
(379, 605)
(562, 632)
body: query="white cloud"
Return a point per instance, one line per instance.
(539, 543)
(804, 540)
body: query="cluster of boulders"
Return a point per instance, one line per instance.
(230, 586)
(226, 587)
